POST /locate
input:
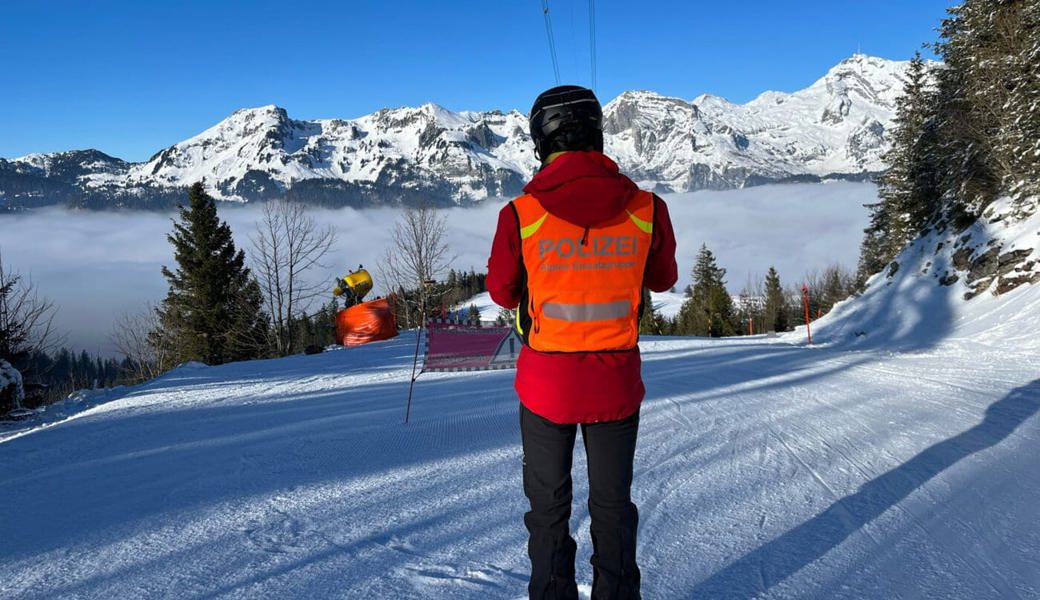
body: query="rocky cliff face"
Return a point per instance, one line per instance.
(834, 128)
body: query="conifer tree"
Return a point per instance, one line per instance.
(651, 322)
(909, 188)
(708, 309)
(776, 307)
(988, 106)
(837, 284)
(1023, 141)
(873, 253)
(212, 310)
(991, 46)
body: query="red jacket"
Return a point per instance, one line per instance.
(584, 188)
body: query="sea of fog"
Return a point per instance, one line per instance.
(95, 266)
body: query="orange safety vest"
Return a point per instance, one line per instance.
(584, 285)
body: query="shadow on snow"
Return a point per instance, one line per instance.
(782, 557)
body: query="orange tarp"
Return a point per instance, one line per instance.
(366, 322)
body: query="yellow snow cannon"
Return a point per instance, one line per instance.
(355, 285)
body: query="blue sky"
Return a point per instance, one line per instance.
(132, 77)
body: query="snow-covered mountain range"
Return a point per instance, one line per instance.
(834, 128)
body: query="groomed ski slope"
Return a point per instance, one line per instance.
(765, 468)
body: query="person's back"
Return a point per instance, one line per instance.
(573, 255)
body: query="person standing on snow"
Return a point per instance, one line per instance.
(573, 256)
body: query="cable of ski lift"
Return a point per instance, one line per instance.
(552, 42)
(592, 40)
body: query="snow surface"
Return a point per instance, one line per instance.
(900, 468)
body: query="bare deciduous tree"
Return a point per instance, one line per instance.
(26, 319)
(286, 245)
(417, 255)
(146, 355)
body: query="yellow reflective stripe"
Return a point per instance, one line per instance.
(526, 232)
(644, 226)
(519, 329)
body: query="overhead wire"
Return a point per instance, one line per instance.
(592, 40)
(552, 42)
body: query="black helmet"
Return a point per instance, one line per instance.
(566, 117)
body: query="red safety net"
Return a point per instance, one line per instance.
(366, 322)
(469, 347)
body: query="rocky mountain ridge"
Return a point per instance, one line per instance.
(835, 128)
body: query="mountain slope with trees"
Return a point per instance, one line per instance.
(964, 167)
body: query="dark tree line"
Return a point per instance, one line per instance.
(765, 305)
(58, 374)
(966, 132)
(316, 329)
(443, 297)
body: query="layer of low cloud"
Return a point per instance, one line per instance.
(97, 266)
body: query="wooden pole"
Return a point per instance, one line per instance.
(415, 362)
(805, 302)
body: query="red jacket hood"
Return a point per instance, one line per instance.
(584, 188)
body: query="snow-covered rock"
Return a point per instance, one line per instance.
(12, 392)
(977, 282)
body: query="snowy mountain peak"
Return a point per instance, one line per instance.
(636, 96)
(268, 113)
(267, 109)
(863, 62)
(710, 99)
(36, 159)
(247, 122)
(874, 81)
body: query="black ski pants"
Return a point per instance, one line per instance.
(548, 451)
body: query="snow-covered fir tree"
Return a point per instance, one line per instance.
(908, 190)
(959, 147)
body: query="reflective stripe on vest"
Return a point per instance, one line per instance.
(584, 287)
(586, 312)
